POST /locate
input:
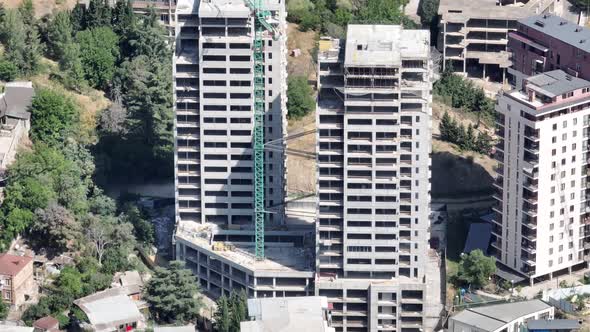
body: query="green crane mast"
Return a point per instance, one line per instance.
(260, 25)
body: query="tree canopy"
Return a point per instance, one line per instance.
(173, 294)
(300, 99)
(99, 51)
(52, 116)
(475, 269)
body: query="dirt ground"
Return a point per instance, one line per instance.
(43, 7)
(301, 171)
(303, 65)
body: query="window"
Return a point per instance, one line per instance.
(550, 251)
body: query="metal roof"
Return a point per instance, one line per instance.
(555, 324)
(559, 28)
(556, 82)
(491, 318)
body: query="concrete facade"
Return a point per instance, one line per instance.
(546, 42)
(214, 116)
(541, 221)
(374, 140)
(474, 33)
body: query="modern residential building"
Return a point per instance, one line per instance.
(541, 223)
(307, 313)
(547, 42)
(17, 284)
(373, 117)
(214, 87)
(474, 33)
(507, 317)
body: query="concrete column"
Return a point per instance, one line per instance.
(503, 76)
(484, 71)
(550, 275)
(569, 270)
(531, 281)
(444, 45)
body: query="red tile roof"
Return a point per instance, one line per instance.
(11, 265)
(46, 323)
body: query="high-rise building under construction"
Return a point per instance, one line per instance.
(373, 261)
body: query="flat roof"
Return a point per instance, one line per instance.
(478, 237)
(280, 258)
(111, 307)
(491, 318)
(12, 328)
(287, 314)
(555, 324)
(463, 10)
(560, 28)
(383, 45)
(555, 83)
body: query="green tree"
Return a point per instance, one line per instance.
(8, 70)
(475, 269)
(104, 233)
(468, 142)
(70, 282)
(123, 18)
(53, 117)
(70, 64)
(222, 316)
(36, 311)
(148, 100)
(98, 14)
(77, 17)
(173, 294)
(483, 143)
(59, 34)
(21, 43)
(445, 127)
(300, 97)
(428, 11)
(27, 11)
(99, 51)
(3, 310)
(239, 309)
(56, 227)
(142, 229)
(102, 205)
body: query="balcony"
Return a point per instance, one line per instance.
(531, 185)
(530, 236)
(529, 248)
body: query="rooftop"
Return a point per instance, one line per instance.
(287, 314)
(384, 45)
(491, 318)
(16, 99)
(279, 258)
(185, 328)
(11, 265)
(12, 328)
(463, 10)
(557, 82)
(109, 308)
(559, 28)
(46, 323)
(555, 324)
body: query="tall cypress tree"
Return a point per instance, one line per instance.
(78, 18)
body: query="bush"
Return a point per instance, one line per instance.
(475, 269)
(8, 71)
(300, 97)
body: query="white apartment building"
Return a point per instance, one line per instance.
(540, 223)
(213, 70)
(373, 262)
